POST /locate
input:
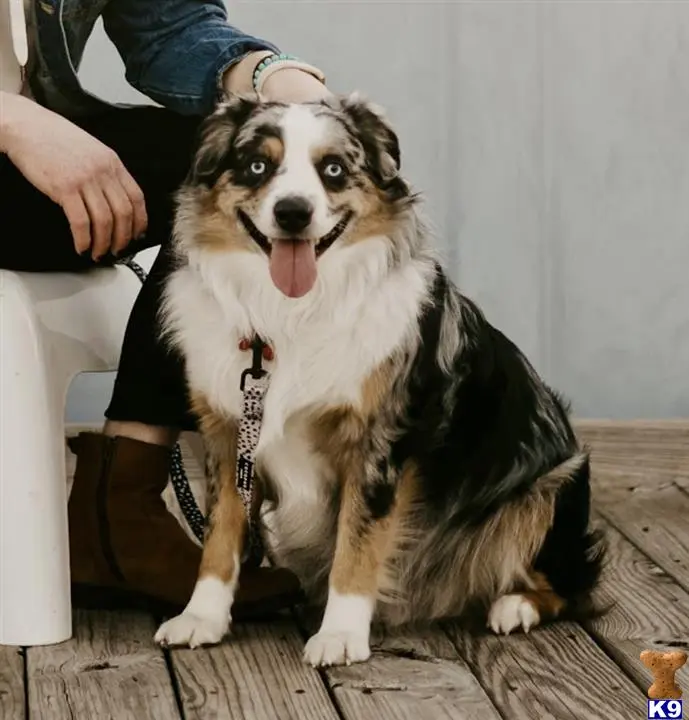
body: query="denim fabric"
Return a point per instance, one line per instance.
(174, 51)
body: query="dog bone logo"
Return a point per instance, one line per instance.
(664, 665)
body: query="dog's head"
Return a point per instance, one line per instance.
(293, 182)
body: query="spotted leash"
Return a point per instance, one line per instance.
(254, 385)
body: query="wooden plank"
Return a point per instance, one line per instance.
(411, 675)
(110, 669)
(648, 610)
(653, 516)
(552, 672)
(656, 449)
(682, 483)
(257, 674)
(12, 705)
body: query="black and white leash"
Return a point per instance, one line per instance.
(254, 385)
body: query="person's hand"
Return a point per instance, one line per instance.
(103, 204)
(289, 85)
(294, 86)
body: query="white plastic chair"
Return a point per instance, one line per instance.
(52, 327)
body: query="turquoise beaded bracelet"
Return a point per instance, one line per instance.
(270, 60)
(276, 62)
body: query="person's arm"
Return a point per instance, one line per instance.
(103, 204)
(183, 53)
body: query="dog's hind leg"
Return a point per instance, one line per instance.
(567, 565)
(526, 609)
(206, 618)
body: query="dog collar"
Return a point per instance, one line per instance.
(249, 343)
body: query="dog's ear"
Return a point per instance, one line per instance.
(375, 133)
(215, 137)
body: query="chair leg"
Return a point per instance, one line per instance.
(35, 602)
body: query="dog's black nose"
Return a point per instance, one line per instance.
(293, 214)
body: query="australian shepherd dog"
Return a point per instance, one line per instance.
(411, 463)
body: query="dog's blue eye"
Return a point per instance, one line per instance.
(333, 170)
(258, 167)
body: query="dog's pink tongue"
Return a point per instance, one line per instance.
(293, 266)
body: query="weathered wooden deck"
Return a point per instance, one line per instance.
(112, 669)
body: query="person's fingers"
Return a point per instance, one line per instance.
(138, 201)
(102, 220)
(79, 222)
(123, 214)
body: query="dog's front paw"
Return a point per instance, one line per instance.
(336, 648)
(192, 630)
(510, 612)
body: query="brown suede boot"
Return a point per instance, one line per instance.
(126, 549)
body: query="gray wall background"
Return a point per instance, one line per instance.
(551, 140)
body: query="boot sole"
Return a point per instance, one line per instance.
(93, 597)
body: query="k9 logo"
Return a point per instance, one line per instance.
(665, 709)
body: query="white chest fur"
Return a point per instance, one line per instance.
(326, 343)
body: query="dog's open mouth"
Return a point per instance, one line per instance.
(293, 260)
(321, 245)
